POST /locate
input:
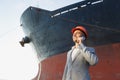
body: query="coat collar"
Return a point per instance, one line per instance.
(78, 52)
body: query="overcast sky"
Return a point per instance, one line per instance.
(16, 62)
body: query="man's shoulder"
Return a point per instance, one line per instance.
(91, 48)
(70, 49)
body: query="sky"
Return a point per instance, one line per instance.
(16, 62)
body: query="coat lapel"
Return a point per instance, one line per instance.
(76, 55)
(69, 60)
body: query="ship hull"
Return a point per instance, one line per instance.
(107, 69)
(50, 36)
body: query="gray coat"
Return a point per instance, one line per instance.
(77, 69)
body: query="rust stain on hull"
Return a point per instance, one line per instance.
(109, 63)
(107, 68)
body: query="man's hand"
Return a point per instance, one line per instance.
(79, 40)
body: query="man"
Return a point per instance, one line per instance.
(80, 57)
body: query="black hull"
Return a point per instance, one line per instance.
(49, 31)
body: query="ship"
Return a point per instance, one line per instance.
(49, 33)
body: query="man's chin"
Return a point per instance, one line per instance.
(75, 41)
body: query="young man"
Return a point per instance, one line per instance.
(80, 57)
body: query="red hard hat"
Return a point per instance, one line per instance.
(81, 28)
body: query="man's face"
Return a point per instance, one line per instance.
(76, 35)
